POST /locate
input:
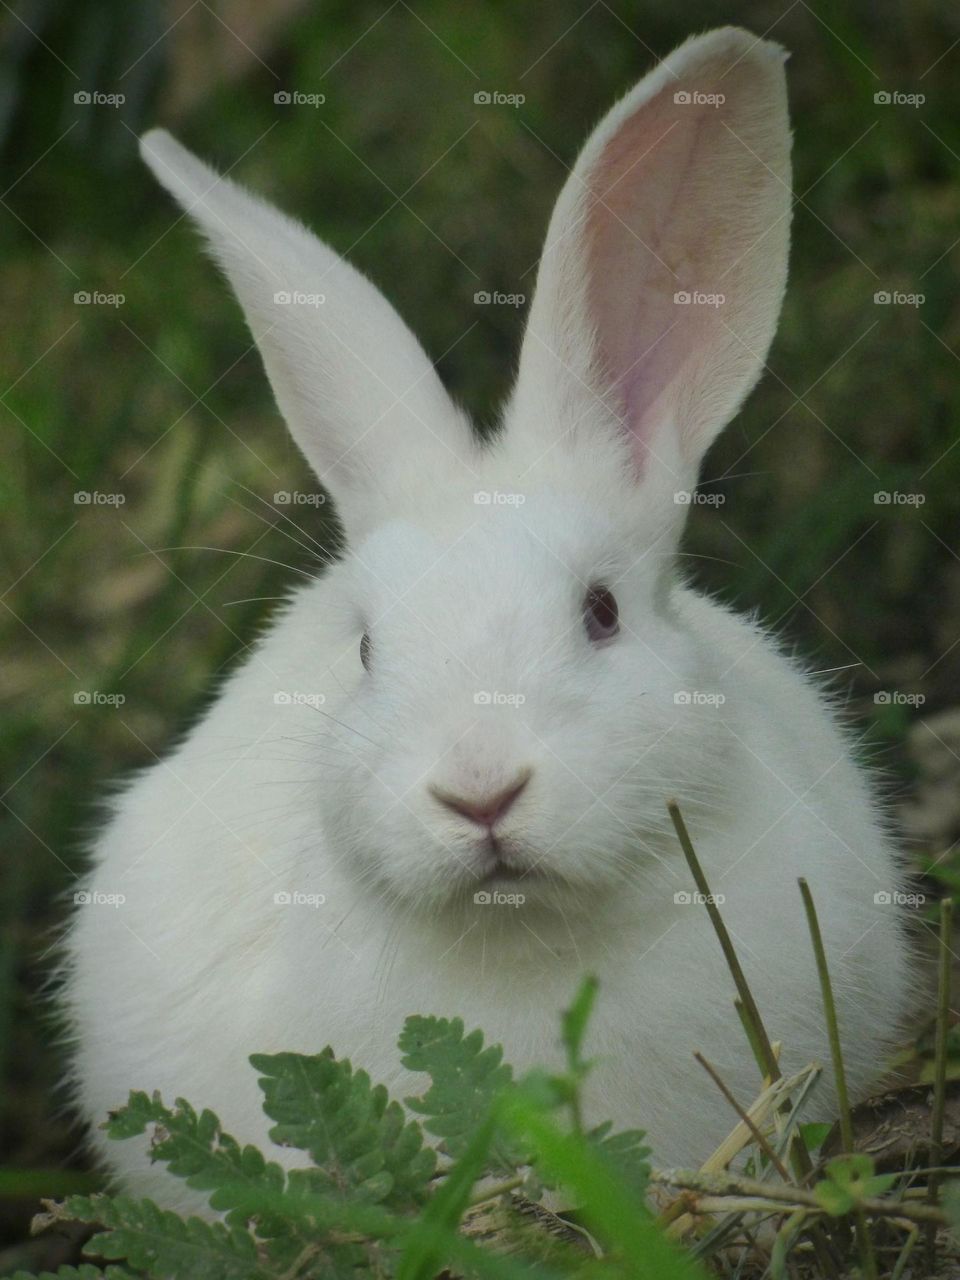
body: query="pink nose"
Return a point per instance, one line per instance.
(486, 810)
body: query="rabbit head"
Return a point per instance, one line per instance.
(510, 653)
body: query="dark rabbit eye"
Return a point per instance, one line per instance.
(601, 616)
(365, 650)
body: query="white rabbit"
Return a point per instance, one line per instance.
(495, 690)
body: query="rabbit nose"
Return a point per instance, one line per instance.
(486, 809)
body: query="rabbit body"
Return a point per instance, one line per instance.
(303, 870)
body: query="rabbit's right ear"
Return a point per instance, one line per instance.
(663, 272)
(360, 396)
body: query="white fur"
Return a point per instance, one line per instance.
(200, 966)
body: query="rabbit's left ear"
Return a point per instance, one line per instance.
(360, 396)
(665, 263)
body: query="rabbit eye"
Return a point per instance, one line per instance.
(601, 615)
(365, 650)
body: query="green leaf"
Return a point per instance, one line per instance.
(574, 1023)
(814, 1135)
(544, 1089)
(195, 1148)
(424, 1254)
(465, 1080)
(132, 1120)
(605, 1206)
(847, 1171)
(850, 1180)
(834, 1200)
(878, 1185)
(625, 1154)
(162, 1243)
(362, 1144)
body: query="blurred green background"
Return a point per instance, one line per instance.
(160, 398)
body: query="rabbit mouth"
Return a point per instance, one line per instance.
(506, 861)
(504, 871)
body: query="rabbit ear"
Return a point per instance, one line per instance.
(665, 262)
(360, 396)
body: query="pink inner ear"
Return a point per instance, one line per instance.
(648, 233)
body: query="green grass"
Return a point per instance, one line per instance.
(106, 399)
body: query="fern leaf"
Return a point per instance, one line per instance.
(625, 1154)
(161, 1243)
(363, 1146)
(465, 1079)
(195, 1148)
